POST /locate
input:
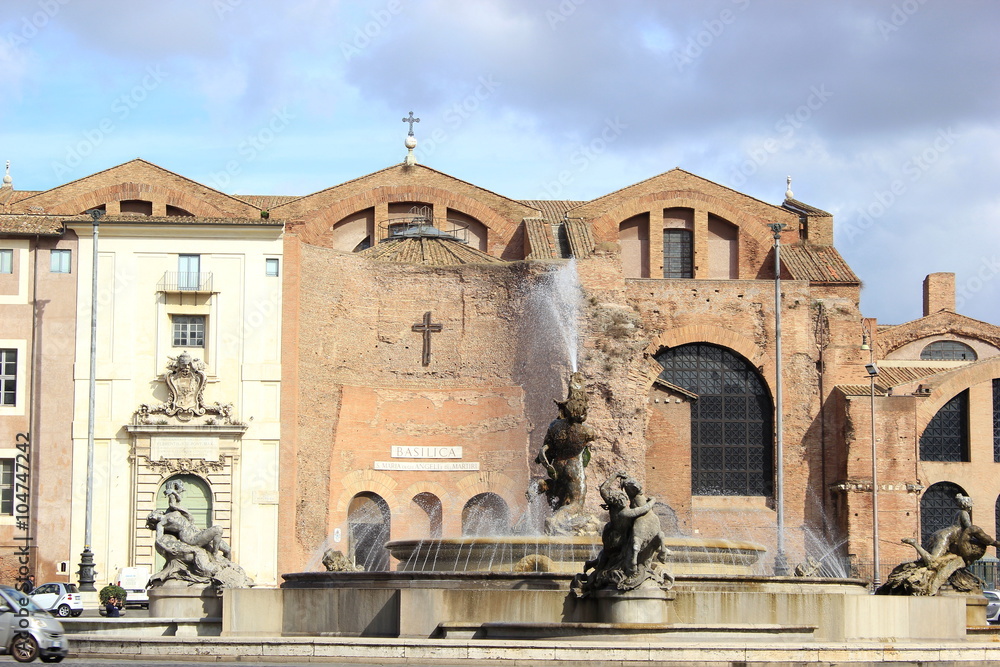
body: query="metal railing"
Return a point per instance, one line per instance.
(179, 281)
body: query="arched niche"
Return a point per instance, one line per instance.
(368, 529)
(486, 514)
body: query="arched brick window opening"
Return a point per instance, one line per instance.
(948, 350)
(946, 437)
(368, 525)
(633, 237)
(427, 513)
(178, 212)
(486, 514)
(732, 446)
(938, 509)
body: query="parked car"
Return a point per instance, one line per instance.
(61, 599)
(992, 607)
(27, 631)
(134, 580)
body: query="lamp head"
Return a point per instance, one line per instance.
(872, 369)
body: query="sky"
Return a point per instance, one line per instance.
(885, 114)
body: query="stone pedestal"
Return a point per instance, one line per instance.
(642, 605)
(174, 600)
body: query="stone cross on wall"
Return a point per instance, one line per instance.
(427, 328)
(411, 120)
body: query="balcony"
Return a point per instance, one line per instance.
(192, 283)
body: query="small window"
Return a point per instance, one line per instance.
(60, 261)
(271, 267)
(7, 487)
(8, 377)
(189, 331)
(6, 260)
(948, 350)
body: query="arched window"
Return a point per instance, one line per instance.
(948, 350)
(938, 509)
(197, 500)
(486, 514)
(428, 505)
(731, 436)
(946, 437)
(678, 253)
(368, 525)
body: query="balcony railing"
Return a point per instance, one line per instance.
(179, 281)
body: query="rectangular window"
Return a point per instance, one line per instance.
(60, 261)
(271, 267)
(677, 253)
(188, 272)
(6, 260)
(7, 487)
(189, 331)
(8, 377)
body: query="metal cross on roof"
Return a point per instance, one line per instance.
(427, 328)
(411, 120)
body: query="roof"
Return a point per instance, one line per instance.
(267, 202)
(32, 225)
(860, 390)
(540, 239)
(799, 207)
(893, 376)
(554, 209)
(433, 251)
(174, 220)
(818, 264)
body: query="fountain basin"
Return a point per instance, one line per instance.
(566, 554)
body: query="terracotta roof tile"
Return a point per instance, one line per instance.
(176, 220)
(434, 251)
(799, 207)
(554, 209)
(581, 243)
(267, 202)
(540, 239)
(31, 225)
(820, 264)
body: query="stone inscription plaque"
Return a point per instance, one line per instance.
(183, 447)
(401, 452)
(426, 465)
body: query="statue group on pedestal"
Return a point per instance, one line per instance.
(951, 551)
(193, 555)
(633, 548)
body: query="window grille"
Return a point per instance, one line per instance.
(938, 509)
(731, 421)
(677, 253)
(946, 437)
(947, 350)
(7, 487)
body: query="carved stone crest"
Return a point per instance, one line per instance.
(185, 379)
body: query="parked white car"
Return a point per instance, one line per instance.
(60, 599)
(992, 607)
(134, 581)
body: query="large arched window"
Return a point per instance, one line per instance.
(486, 514)
(731, 434)
(946, 437)
(938, 509)
(368, 531)
(948, 350)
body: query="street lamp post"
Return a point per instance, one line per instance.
(87, 576)
(780, 560)
(867, 343)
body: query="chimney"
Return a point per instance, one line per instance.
(939, 293)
